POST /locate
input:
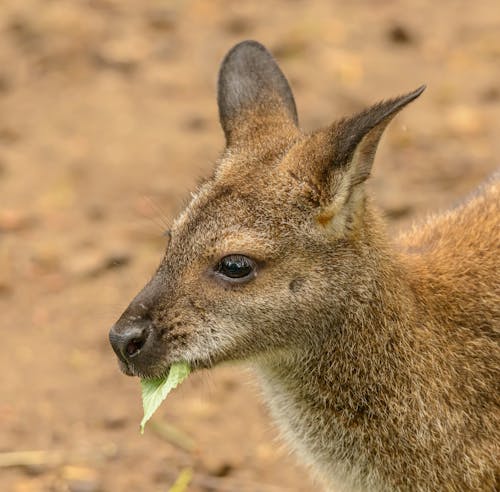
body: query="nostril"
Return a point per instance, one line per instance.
(135, 345)
(127, 341)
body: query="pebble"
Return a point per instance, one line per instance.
(399, 34)
(113, 422)
(217, 467)
(81, 479)
(160, 19)
(15, 220)
(123, 55)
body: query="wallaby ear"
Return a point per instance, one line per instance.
(253, 93)
(333, 161)
(356, 138)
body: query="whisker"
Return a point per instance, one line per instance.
(160, 212)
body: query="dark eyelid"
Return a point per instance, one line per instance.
(168, 234)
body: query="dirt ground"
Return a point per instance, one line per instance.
(107, 121)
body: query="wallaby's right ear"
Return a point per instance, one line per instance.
(253, 94)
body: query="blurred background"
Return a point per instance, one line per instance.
(107, 120)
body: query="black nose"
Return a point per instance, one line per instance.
(127, 341)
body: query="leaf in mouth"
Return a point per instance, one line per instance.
(155, 390)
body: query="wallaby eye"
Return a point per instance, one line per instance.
(236, 267)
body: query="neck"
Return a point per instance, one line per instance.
(341, 397)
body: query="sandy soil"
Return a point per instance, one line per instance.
(107, 120)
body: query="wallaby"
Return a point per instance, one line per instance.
(379, 361)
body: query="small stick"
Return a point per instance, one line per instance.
(173, 435)
(49, 457)
(30, 458)
(183, 481)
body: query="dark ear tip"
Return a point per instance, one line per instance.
(416, 93)
(247, 45)
(420, 89)
(392, 106)
(244, 51)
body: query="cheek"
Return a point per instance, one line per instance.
(272, 295)
(260, 304)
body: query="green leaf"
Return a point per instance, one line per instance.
(154, 391)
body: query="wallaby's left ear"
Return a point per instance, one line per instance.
(336, 159)
(356, 138)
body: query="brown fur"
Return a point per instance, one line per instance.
(380, 362)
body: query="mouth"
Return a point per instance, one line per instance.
(142, 353)
(126, 369)
(143, 371)
(158, 371)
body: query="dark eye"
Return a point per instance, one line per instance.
(236, 267)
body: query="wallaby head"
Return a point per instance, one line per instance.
(279, 236)
(380, 364)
